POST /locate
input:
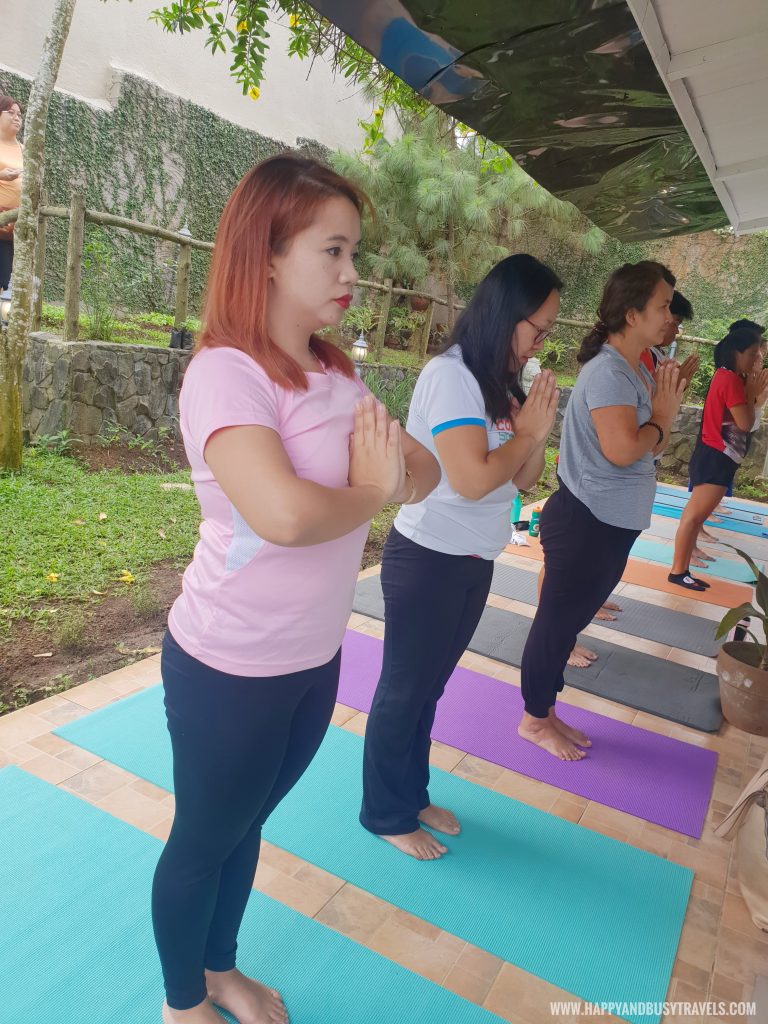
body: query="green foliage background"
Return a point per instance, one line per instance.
(155, 158)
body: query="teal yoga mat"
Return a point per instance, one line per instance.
(76, 935)
(725, 568)
(754, 509)
(596, 917)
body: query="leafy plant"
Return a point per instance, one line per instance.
(360, 318)
(395, 395)
(97, 287)
(57, 444)
(747, 610)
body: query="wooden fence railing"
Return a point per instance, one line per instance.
(78, 216)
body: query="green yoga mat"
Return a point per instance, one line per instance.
(564, 903)
(76, 935)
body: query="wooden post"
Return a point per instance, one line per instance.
(42, 228)
(182, 285)
(426, 328)
(381, 326)
(74, 267)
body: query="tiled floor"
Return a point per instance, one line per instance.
(722, 956)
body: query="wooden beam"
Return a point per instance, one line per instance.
(74, 267)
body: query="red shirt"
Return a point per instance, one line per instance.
(718, 429)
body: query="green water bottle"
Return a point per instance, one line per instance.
(533, 526)
(517, 508)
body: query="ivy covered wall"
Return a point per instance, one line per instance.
(155, 158)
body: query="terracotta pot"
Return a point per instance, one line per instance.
(418, 303)
(743, 687)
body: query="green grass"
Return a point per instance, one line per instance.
(133, 329)
(51, 525)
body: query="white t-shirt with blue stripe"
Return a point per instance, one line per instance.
(446, 396)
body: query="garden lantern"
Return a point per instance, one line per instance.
(6, 297)
(360, 351)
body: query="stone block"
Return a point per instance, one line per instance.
(55, 418)
(83, 388)
(104, 397)
(85, 421)
(126, 412)
(60, 376)
(142, 375)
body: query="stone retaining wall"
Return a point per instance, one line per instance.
(85, 386)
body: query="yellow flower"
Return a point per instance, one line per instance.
(378, 112)
(52, 577)
(294, 20)
(242, 26)
(254, 92)
(126, 577)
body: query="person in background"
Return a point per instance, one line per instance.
(469, 410)
(11, 170)
(618, 418)
(727, 420)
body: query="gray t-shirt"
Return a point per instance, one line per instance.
(617, 495)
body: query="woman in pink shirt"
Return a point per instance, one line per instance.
(291, 458)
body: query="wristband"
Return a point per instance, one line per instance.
(652, 423)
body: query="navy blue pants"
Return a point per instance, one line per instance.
(433, 603)
(240, 744)
(584, 559)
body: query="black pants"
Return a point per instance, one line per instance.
(6, 261)
(240, 744)
(583, 561)
(433, 603)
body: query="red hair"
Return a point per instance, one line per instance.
(275, 200)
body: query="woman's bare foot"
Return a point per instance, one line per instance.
(581, 657)
(699, 553)
(574, 735)
(544, 733)
(203, 1013)
(698, 562)
(706, 535)
(603, 613)
(247, 1000)
(441, 820)
(419, 844)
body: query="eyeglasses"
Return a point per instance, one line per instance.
(542, 334)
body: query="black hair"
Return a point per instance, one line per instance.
(509, 293)
(747, 325)
(629, 287)
(681, 307)
(735, 341)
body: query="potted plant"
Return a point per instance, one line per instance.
(742, 665)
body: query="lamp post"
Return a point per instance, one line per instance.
(6, 297)
(360, 352)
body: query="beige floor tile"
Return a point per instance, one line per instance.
(356, 724)
(597, 814)
(161, 829)
(568, 807)
(697, 661)
(479, 962)
(726, 989)
(342, 714)
(697, 947)
(710, 868)
(737, 917)
(467, 985)
(355, 913)
(527, 791)
(21, 727)
(129, 805)
(78, 757)
(149, 790)
(316, 878)
(525, 999)
(475, 769)
(691, 975)
(427, 956)
(280, 860)
(69, 711)
(740, 956)
(50, 744)
(445, 757)
(307, 899)
(93, 695)
(49, 768)
(21, 753)
(97, 782)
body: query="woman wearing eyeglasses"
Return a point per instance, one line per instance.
(470, 411)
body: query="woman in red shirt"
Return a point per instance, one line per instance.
(726, 423)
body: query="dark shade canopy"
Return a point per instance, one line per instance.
(567, 87)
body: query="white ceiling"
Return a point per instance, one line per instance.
(713, 58)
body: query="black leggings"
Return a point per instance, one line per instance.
(239, 746)
(433, 603)
(583, 561)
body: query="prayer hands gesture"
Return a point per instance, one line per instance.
(670, 385)
(757, 386)
(537, 416)
(375, 451)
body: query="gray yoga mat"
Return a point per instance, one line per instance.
(638, 618)
(640, 681)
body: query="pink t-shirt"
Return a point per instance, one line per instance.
(249, 607)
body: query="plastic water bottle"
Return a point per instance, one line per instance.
(533, 527)
(517, 508)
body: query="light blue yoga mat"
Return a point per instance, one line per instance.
(596, 917)
(727, 523)
(725, 568)
(76, 934)
(733, 504)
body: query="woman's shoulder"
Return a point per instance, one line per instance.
(216, 365)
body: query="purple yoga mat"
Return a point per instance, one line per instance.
(654, 777)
